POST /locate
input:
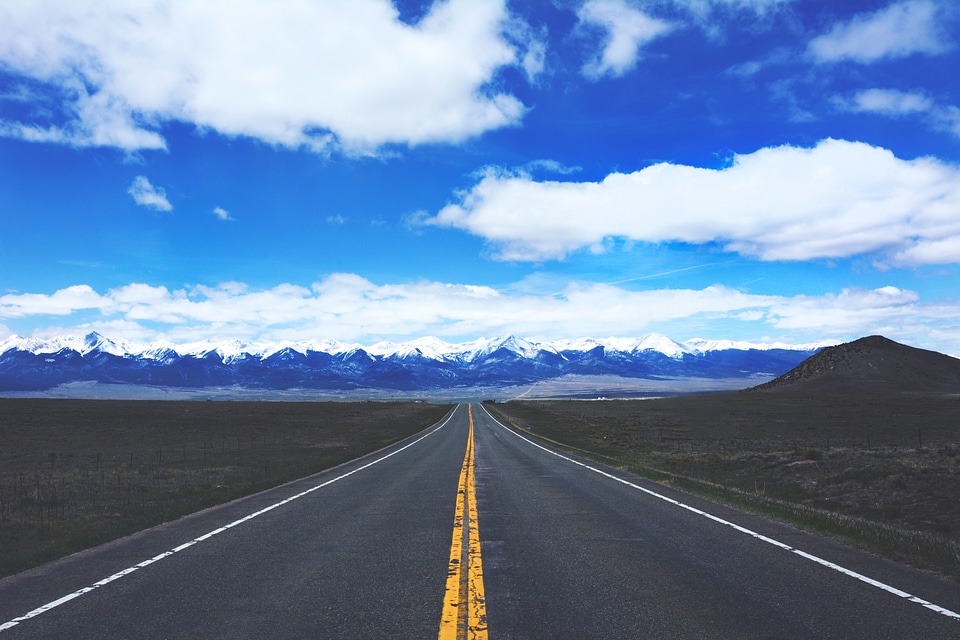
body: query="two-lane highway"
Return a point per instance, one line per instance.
(364, 556)
(570, 551)
(473, 522)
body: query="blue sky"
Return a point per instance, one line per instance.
(725, 169)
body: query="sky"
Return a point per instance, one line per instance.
(762, 170)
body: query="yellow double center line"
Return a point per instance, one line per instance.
(464, 607)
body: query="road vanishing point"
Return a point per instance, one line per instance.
(471, 529)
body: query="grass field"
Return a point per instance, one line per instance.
(75, 473)
(881, 472)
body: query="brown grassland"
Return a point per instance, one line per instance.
(878, 471)
(75, 473)
(881, 472)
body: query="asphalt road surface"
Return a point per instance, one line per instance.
(568, 549)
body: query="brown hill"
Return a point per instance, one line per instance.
(871, 365)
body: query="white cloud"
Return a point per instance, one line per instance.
(706, 7)
(285, 73)
(531, 44)
(627, 31)
(895, 104)
(147, 195)
(751, 68)
(550, 166)
(947, 119)
(897, 31)
(945, 251)
(99, 120)
(534, 60)
(348, 307)
(62, 302)
(850, 310)
(222, 214)
(889, 102)
(837, 199)
(712, 16)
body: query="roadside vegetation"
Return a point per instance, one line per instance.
(879, 472)
(76, 473)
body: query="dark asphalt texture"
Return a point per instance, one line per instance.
(365, 557)
(567, 553)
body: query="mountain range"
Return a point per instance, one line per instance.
(31, 364)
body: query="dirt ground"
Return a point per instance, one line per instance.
(893, 459)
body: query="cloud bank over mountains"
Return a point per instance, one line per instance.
(371, 169)
(349, 307)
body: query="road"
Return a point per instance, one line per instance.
(505, 537)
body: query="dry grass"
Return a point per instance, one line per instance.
(882, 472)
(75, 473)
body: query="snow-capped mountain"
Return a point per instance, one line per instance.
(422, 364)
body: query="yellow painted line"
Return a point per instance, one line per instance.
(451, 596)
(464, 614)
(477, 604)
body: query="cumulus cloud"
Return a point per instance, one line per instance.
(62, 302)
(285, 73)
(897, 31)
(626, 30)
(222, 214)
(835, 200)
(944, 251)
(147, 195)
(349, 307)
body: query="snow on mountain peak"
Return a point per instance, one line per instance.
(93, 341)
(700, 345)
(662, 344)
(649, 342)
(426, 347)
(519, 346)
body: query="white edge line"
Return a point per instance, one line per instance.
(758, 536)
(96, 585)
